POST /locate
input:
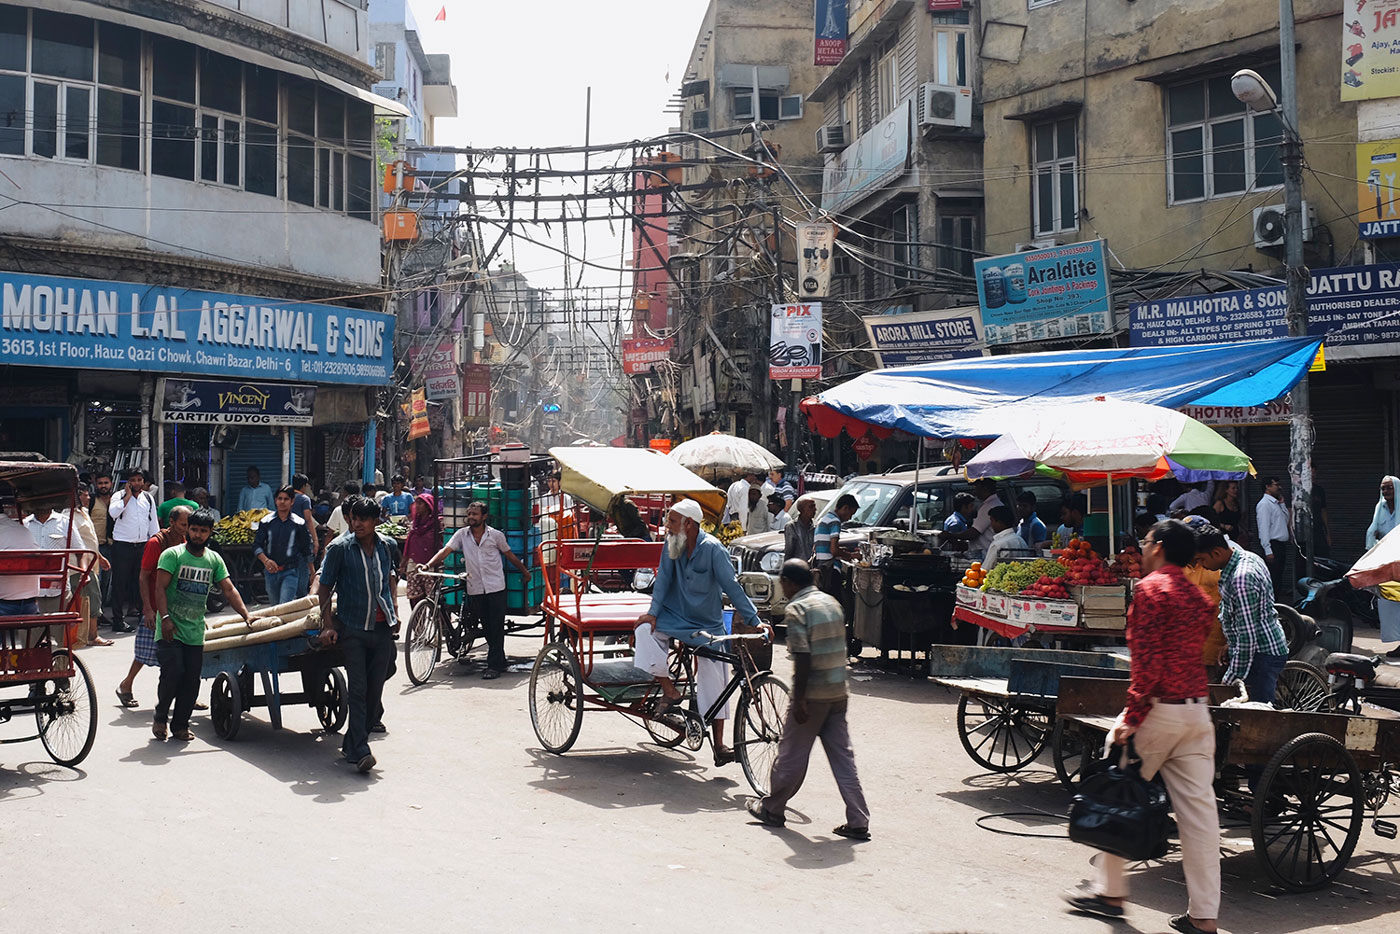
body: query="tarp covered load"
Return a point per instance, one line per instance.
(596, 475)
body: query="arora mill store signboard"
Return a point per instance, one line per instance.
(91, 324)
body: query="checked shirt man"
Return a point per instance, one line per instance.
(1256, 642)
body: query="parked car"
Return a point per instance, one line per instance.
(883, 500)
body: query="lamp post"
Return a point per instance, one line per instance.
(1250, 88)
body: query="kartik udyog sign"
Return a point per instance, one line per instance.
(93, 324)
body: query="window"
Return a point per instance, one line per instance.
(887, 77)
(699, 120)
(1215, 147)
(790, 107)
(957, 242)
(772, 105)
(1055, 196)
(950, 57)
(384, 59)
(904, 249)
(850, 110)
(118, 97)
(220, 119)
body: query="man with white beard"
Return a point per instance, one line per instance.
(687, 604)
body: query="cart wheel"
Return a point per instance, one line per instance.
(758, 727)
(1073, 750)
(1300, 687)
(999, 734)
(1307, 812)
(422, 643)
(226, 705)
(556, 697)
(332, 700)
(68, 717)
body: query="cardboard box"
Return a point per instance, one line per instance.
(1056, 613)
(1112, 623)
(995, 603)
(1020, 611)
(1111, 600)
(969, 596)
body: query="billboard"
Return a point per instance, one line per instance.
(878, 157)
(476, 395)
(153, 328)
(438, 371)
(1378, 188)
(640, 355)
(829, 21)
(1357, 308)
(1049, 294)
(1370, 65)
(221, 402)
(795, 341)
(925, 336)
(816, 255)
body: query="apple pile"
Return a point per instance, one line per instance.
(1128, 564)
(1050, 588)
(1083, 565)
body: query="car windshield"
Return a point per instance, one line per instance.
(872, 500)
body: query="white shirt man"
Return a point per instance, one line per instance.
(134, 517)
(1271, 517)
(982, 524)
(50, 533)
(15, 589)
(1006, 544)
(759, 520)
(481, 560)
(736, 501)
(1194, 498)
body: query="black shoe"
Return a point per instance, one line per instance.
(1185, 925)
(123, 627)
(755, 808)
(1085, 901)
(365, 764)
(378, 728)
(490, 674)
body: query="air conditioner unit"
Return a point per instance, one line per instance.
(1268, 225)
(1040, 243)
(940, 105)
(831, 138)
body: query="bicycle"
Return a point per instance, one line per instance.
(433, 625)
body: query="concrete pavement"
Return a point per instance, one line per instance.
(468, 825)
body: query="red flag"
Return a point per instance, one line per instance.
(441, 17)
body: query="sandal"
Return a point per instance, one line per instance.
(852, 833)
(184, 736)
(127, 700)
(199, 705)
(101, 641)
(159, 730)
(762, 815)
(723, 756)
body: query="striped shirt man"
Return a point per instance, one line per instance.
(826, 537)
(1247, 613)
(816, 626)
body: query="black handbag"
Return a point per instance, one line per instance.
(1120, 812)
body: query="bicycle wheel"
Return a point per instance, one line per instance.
(758, 727)
(68, 717)
(422, 644)
(1300, 687)
(556, 697)
(1001, 735)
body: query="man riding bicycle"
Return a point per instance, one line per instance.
(687, 605)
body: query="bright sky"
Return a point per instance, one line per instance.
(521, 68)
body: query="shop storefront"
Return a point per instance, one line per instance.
(191, 385)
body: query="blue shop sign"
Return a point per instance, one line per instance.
(90, 324)
(1045, 294)
(1357, 308)
(221, 402)
(925, 336)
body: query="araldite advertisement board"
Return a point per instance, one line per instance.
(1049, 294)
(795, 341)
(640, 355)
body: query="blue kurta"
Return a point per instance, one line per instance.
(686, 598)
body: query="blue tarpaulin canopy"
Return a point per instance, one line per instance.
(970, 398)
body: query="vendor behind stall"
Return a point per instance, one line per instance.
(1006, 540)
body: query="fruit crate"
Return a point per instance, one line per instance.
(1109, 600)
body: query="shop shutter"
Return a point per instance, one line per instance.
(255, 447)
(1350, 455)
(908, 52)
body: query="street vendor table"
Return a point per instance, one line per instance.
(1012, 630)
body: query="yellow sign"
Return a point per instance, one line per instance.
(1319, 364)
(1378, 181)
(1370, 65)
(419, 427)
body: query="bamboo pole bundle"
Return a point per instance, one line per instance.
(256, 637)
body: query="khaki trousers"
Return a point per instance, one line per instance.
(1178, 740)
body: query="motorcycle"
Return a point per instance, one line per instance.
(1330, 584)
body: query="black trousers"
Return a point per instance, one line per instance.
(179, 681)
(369, 657)
(488, 610)
(126, 577)
(1279, 571)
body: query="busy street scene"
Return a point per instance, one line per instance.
(918, 466)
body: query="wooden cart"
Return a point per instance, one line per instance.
(1321, 773)
(323, 684)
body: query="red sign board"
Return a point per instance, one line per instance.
(864, 446)
(476, 395)
(638, 356)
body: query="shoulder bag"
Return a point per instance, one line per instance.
(1120, 812)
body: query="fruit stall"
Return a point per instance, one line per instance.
(1071, 593)
(233, 539)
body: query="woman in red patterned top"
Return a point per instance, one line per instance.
(1168, 716)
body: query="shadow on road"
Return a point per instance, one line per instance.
(28, 779)
(673, 779)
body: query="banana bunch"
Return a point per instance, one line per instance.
(237, 529)
(725, 533)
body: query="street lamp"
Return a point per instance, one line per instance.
(1250, 88)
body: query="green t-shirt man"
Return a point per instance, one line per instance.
(191, 579)
(163, 510)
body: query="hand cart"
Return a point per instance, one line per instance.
(234, 691)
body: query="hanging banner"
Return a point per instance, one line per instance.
(816, 246)
(418, 410)
(1370, 65)
(901, 339)
(639, 355)
(438, 371)
(1045, 294)
(795, 342)
(476, 396)
(831, 24)
(218, 402)
(1378, 189)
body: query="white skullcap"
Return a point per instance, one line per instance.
(690, 509)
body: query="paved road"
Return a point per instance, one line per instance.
(468, 824)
